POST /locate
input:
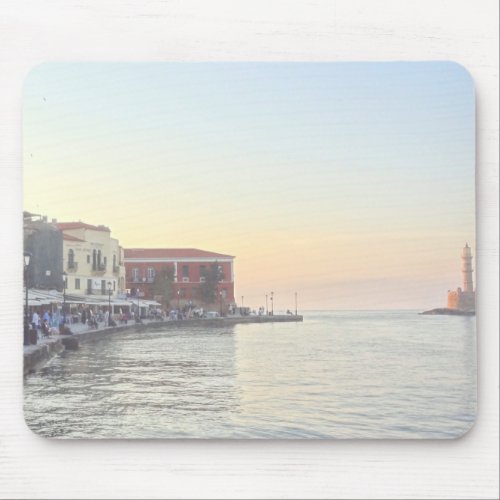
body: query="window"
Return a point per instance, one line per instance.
(135, 274)
(103, 287)
(203, 273)
(89, 286)
(185, 271)
(88, 259)
(71, 258)
(224, 293)
(94, 260)
(77, 283)
(114, 285)
(151, 273)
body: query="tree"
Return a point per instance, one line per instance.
(162, 284)
(209, 288)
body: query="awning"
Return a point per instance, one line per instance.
(144, 302)
(47, 297)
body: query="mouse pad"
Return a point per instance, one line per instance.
(249, 250)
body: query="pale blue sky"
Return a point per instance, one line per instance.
(284, 165)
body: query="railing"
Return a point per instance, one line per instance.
(141, 280)
(99, 269)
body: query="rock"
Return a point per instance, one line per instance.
(71, 343)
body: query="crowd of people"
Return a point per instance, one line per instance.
(47, 322)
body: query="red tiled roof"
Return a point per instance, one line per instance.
(71, 238)
(81, 225)
(169, 253)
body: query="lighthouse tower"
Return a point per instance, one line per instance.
(464, 299)
(467, 269)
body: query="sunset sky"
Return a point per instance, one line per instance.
(350, 183)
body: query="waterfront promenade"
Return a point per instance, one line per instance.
(36, 356)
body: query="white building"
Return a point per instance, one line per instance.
(92, 260)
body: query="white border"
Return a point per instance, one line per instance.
(33, 31)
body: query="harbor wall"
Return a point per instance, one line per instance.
(37, 356)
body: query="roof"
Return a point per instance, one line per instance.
(63, 226)
(171, 253)
(68, 237)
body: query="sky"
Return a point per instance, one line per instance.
(351, 184)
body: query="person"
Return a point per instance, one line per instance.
(35, 320)
(45, 328)
(84, 316)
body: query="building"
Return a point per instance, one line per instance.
(92, 260)
(44, 242)
(464, 299)
(188, 268)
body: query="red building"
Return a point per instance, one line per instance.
(188, 267)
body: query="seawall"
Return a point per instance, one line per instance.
(37, 356)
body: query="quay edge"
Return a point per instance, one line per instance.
(37, 356)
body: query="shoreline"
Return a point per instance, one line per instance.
(449, 312)
(37, 356)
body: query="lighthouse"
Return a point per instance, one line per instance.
(467, 269)
(464, 299)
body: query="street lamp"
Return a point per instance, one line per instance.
(272, 303)
(26, 340)
(64, 275)
(109, 303)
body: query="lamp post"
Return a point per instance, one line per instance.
(295, 303)
(26, 340)
(267, 308)
(109, 303)
(64, 275)
(178, 300)
(272, 303)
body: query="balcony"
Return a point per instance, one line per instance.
(72, 267)
(99, 270)
(141, 280)
(116, 269)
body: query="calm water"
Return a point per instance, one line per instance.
(336, 375)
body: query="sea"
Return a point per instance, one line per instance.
(336, 375)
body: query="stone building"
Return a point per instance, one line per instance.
(464, 299)
(92, 260)
(44, 242)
